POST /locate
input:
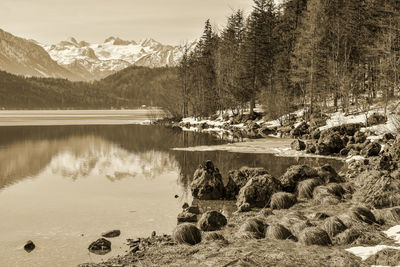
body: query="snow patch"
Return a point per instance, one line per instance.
(365, 252)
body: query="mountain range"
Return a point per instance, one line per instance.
(82, 61)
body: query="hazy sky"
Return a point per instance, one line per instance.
(168, 21)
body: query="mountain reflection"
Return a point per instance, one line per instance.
(90, 156)
(115, 151)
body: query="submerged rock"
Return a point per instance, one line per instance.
(212, 221)
(207, 183)
(113, 233)
(100, 246)
(29, 246)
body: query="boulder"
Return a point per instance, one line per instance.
(245, 207)
(241, 176)
(212, 221)
(252, 129)
(29, 246)
(207, 183)
(345, 151)
(310, 147)
(193, 209)
(316, 134)
(350, 129)
(395, 149)
(100, 246)
(185, 216)
(295, 174)
(388, 136)
(186, 233)
(300, 130)
(231, 189)
(386, 163)
(266, 130)
(110, 234)
(330, 143)
(376, 118)
(328, 174)
(359, 137)
(298, 145)
(258, 191)
(371, 150)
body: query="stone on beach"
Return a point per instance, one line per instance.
(258, 191)
(29, 246)
(186, 233)
(186, 216)
(101, 246)
(295, 174)
(212, 221)
(113, 233)
(207, 183)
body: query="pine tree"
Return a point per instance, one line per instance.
(309, 63)
(258, 50)
(228, 66)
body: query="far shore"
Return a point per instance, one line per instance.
(77, 117)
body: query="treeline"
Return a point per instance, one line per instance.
(129, 88)
(315, 54)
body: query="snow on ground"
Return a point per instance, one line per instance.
(339, 118)
(194, 121)
(277, 146)
(365, 252)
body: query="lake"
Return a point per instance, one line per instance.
(62, 184)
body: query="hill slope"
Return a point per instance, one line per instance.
(25, 57)
(129, 88)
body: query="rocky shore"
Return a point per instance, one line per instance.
(309, 216)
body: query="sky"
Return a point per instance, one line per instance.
(167, 21)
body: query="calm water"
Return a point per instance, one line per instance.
(62, 186)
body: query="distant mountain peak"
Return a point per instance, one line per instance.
(72, 40)
(28, 58)
(82, 60)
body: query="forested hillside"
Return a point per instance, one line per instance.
(316, 54)
(129, 88)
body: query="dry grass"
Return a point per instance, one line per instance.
(348, 236)
(305, 188)
(362, 214)
(314, 236)
(298, 227)
(333, 226)
(252, 228)
(279, 232)
(336, 189)
(389, 216)
(214, 236)
(282, 200)
(186, 233)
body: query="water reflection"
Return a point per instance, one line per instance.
(61, 186)
(76, 151)
(92, 155)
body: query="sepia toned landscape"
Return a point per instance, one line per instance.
(200, 133)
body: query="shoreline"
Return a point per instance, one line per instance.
(362, 157)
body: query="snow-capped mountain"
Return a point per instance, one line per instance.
(95, 61)
(26, 57)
